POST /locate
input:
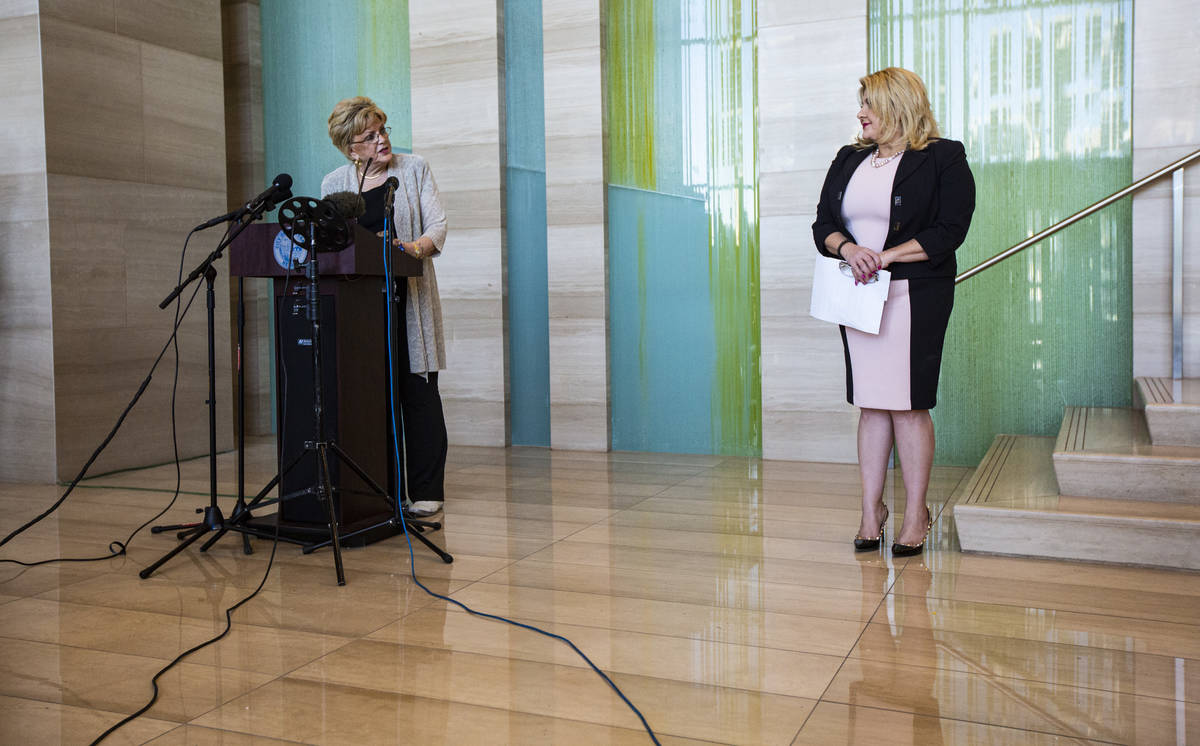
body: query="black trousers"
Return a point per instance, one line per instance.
(424, 425)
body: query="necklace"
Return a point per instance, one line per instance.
(878, 162)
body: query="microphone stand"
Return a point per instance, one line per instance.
(213, 519)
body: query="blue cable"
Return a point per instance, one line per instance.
(412, 562)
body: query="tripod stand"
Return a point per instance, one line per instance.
(315, 227)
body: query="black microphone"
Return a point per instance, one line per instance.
(363, 178)
(280, 190)
(390, 196)
(348, 204)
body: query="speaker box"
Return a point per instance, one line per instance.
(354, 392)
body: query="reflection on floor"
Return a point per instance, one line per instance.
(721, 594)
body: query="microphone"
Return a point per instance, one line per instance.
(363, 178)
(348, 204)
(280, 190)
(390, 196)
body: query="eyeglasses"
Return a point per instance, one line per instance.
(373, 136)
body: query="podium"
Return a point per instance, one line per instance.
(355, 385)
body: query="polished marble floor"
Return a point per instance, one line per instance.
(722, 595)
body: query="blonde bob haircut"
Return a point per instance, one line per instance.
(899, 100)
(350, 118)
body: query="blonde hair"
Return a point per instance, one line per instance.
(899, 100)
(350, 118)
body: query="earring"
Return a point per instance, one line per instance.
(356, 162)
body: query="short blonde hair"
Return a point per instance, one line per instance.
(899, 99)
(350, 118)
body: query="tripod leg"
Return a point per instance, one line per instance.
(358, 470)
(215, 538)
(196, 534)
(432, 547)
(325, 486)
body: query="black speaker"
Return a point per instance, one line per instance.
(354, 393)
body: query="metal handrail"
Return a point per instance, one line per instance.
(1016, 249)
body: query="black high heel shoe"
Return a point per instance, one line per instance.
(908, 550)
(867, 543)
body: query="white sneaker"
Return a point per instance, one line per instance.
(425, 508)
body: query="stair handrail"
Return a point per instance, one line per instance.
(1095, 207)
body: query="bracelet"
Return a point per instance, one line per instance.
(838, 250)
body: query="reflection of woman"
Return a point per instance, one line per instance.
(357, 128)
(899, 198)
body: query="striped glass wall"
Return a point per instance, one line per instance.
(1041, 95)
(683, 226)
(316, 53)
(525, 224)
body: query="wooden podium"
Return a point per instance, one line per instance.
(354, 372)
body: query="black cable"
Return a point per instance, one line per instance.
(402, 477)
(274, 544)
(189, 651)
(118, 548)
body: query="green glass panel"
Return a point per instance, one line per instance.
(1040, 93)
(682, 132)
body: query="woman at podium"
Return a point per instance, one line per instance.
(358, 129)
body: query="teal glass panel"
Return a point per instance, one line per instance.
(683, 226)
(1040, 93)
(316, 53)
(664, 359)
(525, 224)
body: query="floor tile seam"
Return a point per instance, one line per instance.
(185, 661)
(1056, 644)
(582, 665)
(976, 670)
(690, 604)
(535, 622)
(684, 530)
(891, 591)
(1194, 625)
(846, 657)
(857, 619)
(581, 669)
(452, 700)
(231, 731)
(179, 616)
(832, 542)
(968, 721)
(701, 575)
(1181, 595)
(87, 708)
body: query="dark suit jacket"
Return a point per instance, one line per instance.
(933, 198)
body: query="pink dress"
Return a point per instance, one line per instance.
(879, 364)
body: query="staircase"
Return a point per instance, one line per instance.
(1116, 485)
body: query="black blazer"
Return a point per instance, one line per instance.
(933, 198)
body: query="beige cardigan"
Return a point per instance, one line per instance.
(419, 213)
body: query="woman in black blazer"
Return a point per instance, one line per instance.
(899, 198)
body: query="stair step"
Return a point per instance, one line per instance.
(1172, 409)
(1011, 506)
(1105, 452)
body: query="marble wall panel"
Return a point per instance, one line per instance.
(457, 103)
(1166, 125)
(183, 112)
(98, 14)
(809, 65)
(93, 102)
(576, 214)
(245, 167)
(26, 334)
(135, 113)
(181, 25)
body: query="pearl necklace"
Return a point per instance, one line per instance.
(878, 162)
